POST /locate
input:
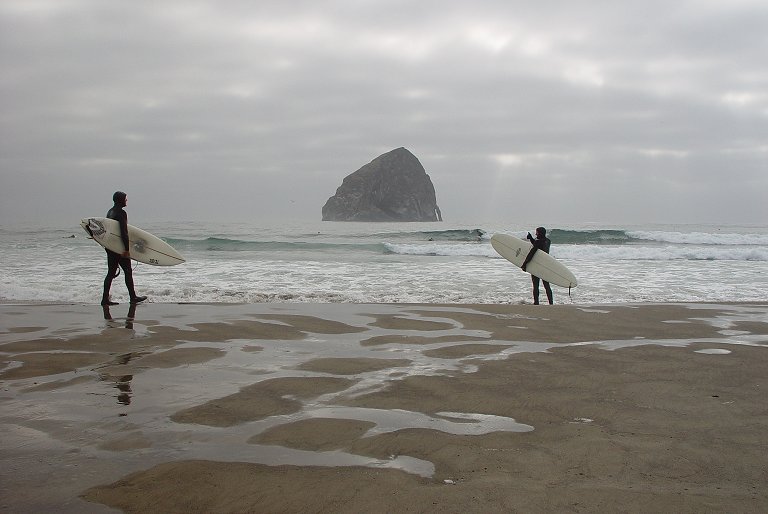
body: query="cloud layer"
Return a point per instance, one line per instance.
(611, 112)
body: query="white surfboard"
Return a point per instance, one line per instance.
(543, 265)
(144, 247)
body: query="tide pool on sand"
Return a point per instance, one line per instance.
(543, 265)
(144, 247)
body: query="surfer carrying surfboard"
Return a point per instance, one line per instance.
(123, 260)
(541, 242)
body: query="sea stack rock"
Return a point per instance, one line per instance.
(392, 187)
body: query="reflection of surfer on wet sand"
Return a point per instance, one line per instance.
(128, 319)
(123, 384)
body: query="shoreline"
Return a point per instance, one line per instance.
(381, 407)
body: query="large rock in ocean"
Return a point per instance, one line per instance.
(392, 187)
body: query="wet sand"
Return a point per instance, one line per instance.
(384, 408)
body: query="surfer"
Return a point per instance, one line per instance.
(541, 242)
(123, 260)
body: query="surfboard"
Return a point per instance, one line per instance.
(144, 247)
(543, 265)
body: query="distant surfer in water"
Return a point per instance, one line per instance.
(542, 243)
(123, 260)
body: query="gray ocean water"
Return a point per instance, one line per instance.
(391, 262)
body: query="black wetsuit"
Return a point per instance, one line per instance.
(115, 259)
(543, 245)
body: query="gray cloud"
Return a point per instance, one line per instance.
(609, 112)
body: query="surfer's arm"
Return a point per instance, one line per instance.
(529, 257)
(124, 235)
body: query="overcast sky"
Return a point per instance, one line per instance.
(561, 111)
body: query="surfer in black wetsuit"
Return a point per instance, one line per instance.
(123, 260)
(542, 243)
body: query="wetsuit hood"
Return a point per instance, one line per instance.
(119, 198)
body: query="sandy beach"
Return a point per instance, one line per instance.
(384, 408)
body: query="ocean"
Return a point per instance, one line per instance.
(440, 262)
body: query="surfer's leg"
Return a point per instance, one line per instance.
(535, 281)
(549, 292)
(128, 274)
(112, 261)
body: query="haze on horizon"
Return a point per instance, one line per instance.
(604, 112)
